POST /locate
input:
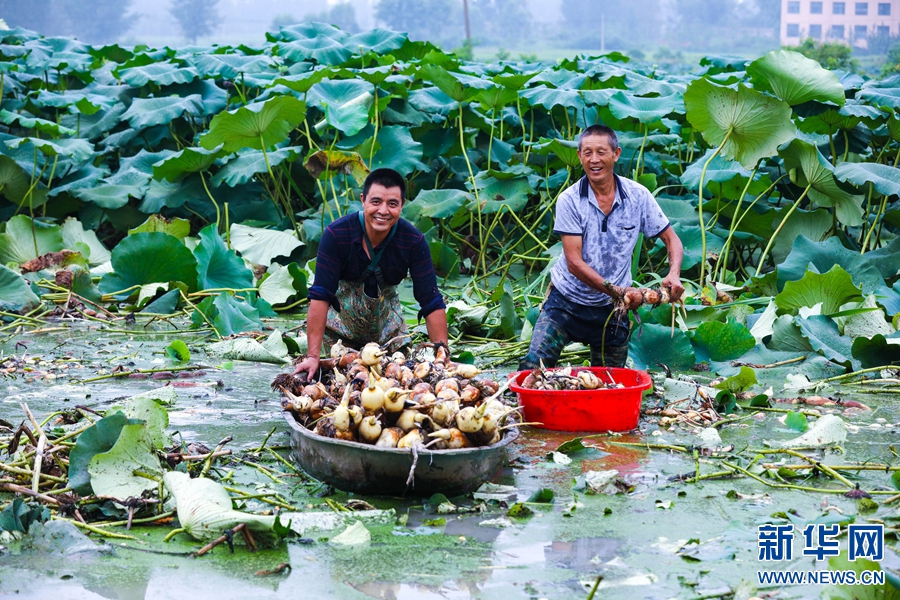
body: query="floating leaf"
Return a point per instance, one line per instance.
(15, 292)
(542, 496)
(178, 351)
(144, 258)
(735, 384)
(99, 437)
(722, 341)
(796, 421)
(654, 345)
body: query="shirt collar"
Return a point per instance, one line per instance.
(585, 187)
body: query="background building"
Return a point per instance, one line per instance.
(832, 20)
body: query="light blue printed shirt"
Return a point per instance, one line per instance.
(608, 241)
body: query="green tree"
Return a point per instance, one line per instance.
(831, 55)
(433, 20)
(196, 18)
(96, 21)
(499, 21)
(892, 64)
(343, 15)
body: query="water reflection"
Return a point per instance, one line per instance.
(582, 554)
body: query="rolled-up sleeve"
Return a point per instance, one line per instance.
(328, 270)
(421, 270)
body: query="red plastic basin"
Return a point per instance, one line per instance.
(614, 409)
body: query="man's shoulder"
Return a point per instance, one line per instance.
(573, 193)
(633, 189)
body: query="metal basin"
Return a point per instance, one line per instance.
(365, 469)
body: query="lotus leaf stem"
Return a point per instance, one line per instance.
(700, 206)
(97, 530)
(173, 533)
(762, 258)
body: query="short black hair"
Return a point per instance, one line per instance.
(600, 130)
(388, 178)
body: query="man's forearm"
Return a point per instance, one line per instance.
(315, 326)
(436, 324)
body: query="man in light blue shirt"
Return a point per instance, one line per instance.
(599, 219)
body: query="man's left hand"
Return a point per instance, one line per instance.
(676, 290)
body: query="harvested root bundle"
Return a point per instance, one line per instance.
(567, 379)
(631, 298)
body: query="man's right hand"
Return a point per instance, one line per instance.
(309, 365)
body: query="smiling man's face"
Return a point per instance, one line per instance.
(598, 158)
(381, 209)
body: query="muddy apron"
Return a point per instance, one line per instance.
(364, 319)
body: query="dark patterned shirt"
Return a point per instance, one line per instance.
(342, 256)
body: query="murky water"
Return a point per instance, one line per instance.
(665, 539)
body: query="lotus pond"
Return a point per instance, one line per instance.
(660, 536)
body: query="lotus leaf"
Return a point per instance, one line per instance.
(14, 182)
(398, 151)
(826, 431)
(867, 269)
(323, 50)
(98, 438)
(808, 168)
(190, 160)
(246, 349)
(877, 351)
(147, 258)
(718, 341)
(626, 105)
(824, 337)
(653, 345)
(110, 196)
(832, 289)
(249, 163)
(76, 149)
(283, 283)
(885, 178)
(179, 228)
(21, 234)
(262, 246)
(15, 293)
(218, 267)
(332, 162)
(38, 124)
(147, 112)
(260, 125)
(229, 315)
(159, 73)
(795, 78)
(437, 204)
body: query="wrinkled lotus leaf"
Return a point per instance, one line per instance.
(436, 204)
(205, 513)
(249, 163)
(719, 170)
(229, 315)
(715, 340)
(15, 293)
(217, 266)
(885, 178)
(42, 125)
(347, 118)
(832, 289)
(77, 149)
(19, 516)
(787, 337)
(877, 351)
(868, 270)
(246, 349)
(813, 225)
(742, 381)
(14, 182)
(190, 160)
(753, 123)
(654, 345)
(99, 437)
(160, 73)
(17, 241)
(147, 112)
(824, 337)
(809, 168)
(73, 233)
(176, 227)
(379, 41)
(464, 316)
(145, 408)
(565, 150)
(260, 125)
(690, 236)
(330, 162)
(398, 151)
(322, 49)
(510, 193)
(230, 66)
(795, 78)
(626, 105)
(148, 258)
(448, 83)
(866, 324)
(261, 246)
(826, 431)
(110, 197)
(283, 283)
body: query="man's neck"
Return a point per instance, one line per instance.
(604, 190)
(375, 238)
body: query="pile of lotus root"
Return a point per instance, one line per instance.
(396, 402)
(568, 379)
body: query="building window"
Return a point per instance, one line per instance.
(815, 8)
(815, 32)
(884, 8)
(883, 31)
(837, 8)
(837, 32)
(793, 30)
(794, 8)
(860, 32)
(862, 8)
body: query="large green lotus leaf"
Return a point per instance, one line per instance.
(160, 73)
(496, 98)
(112, 472)
(99, 437)
(436, 204)
(14, 182)
(147, 112)
(149, 258)
(234, 316)
(110, 197)
(795, 78)
(379, 41)
(205, 512)
(815, 225)
(85, 177)
(283, 283)
(832, 289)
(215, 99)
(626, 105)
(808, 167)
(885, 178)
(18, 240)
(190, 160)
(787, 337)
(719, 341)
(884, 94)
(249, 163)
(866, 324)
(349, 118)
(448, 83)
(15, 293)
(217, 266)
(260, 125)
(38, 124)
(303, 82)
(74, 234)
(176, 227)
(261, 246)
(652, 345)
(824, 337)
(753, 123)
(719, 170)
(76, 149)
(565, 150)
(889, 298)
(431, 101)
(337, 92)
(550, 98)
(497, 194)
(77, 101)
(230, 66)
(877, 351)
(868, 270)
(323, 50)
(445, 258)
(308, 30)
(691, 240)
(138, 169)
(399, 151)
(148, 408)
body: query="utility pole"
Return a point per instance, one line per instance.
(466, 14)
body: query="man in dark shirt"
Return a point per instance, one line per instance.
(362, 258)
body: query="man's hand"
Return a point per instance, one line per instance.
(675, 288)
(309, 365)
